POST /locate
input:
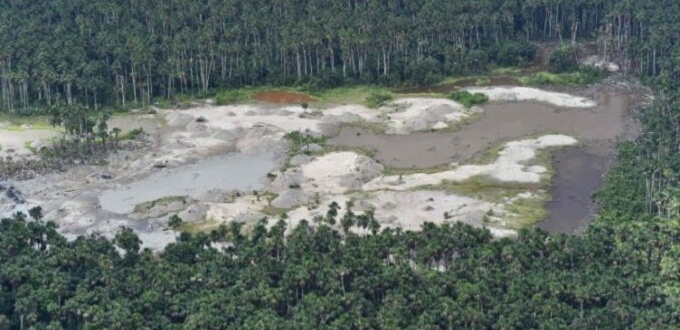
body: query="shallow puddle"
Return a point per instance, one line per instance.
(226, 172)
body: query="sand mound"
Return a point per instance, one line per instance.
(338, 172)
(411, 209)
(517, 94)
(419, 114)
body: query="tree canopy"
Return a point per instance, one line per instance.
(117, 53)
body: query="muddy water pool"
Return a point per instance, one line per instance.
(226, 172)
(578, 171)
(499, 123)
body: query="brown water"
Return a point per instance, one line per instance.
(499, 123)
(578, 171)
(579, 174)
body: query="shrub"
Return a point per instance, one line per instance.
(563, 59)
(468, 99)
(512, 53)
(231, 96)
(584, 76)
(377, 99)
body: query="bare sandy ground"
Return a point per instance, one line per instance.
(519, 94)
(181, 140)
(20, 142)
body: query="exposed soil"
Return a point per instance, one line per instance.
(499, 123)
(282, 97)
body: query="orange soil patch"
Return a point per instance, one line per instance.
(283, 97)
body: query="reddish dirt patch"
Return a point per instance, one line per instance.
(283, 97)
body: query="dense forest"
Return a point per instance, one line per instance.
(119, 53)
(623, 272)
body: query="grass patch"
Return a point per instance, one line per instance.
(452, 80)
(299, 141)
(485, 188)
(483, 81)
(527, 211)
(347, 95)
(234, 96)
(370, 153)
(389, 171)
(509, 71)
(584, 76)
(273, 212)
(132, 134)
(468, 99)
(195, 227)
(27, 146)
(378, 99)
(19, 123)
(144, 207)
(21, 120)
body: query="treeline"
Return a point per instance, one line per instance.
(111, 52)
(448, 277)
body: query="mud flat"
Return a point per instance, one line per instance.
(218, 164)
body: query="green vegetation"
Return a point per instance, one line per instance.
(563, 59)
(378, 99)
(300, 142)
(141, 208)
(131, 134)
(485, 188)
(232, 96)
(468, 99)
(507, 71)
(527, 211)
(347, 94)
(584, 76)
(122, 55)
(298, 281)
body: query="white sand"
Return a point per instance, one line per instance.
(517, 94)
(600, 63)
(337, 172)
(242, 208)
(411, 209)
(403, 209)
(408, 117)
(418, 114)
